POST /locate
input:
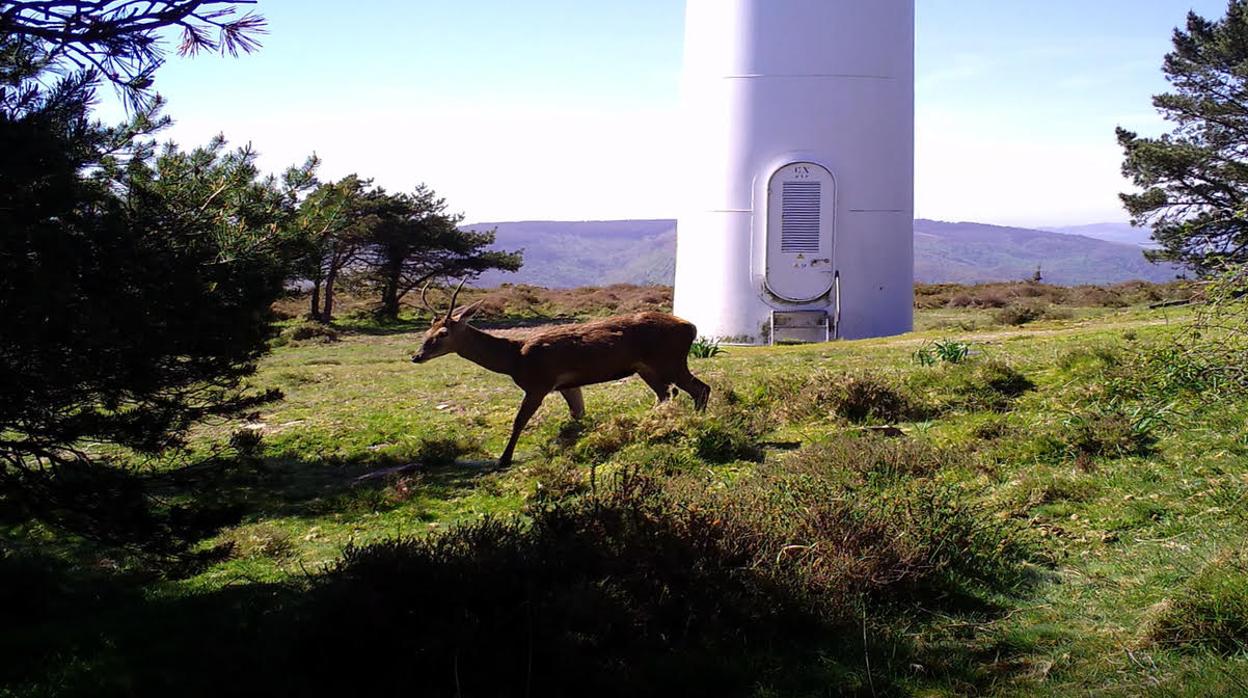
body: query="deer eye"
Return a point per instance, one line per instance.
(443, 332)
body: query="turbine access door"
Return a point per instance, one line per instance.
(801, 215)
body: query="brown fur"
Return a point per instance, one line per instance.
(652, 345)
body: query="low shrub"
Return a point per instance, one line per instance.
(865, 396)
(650, 586)
(556, 479)
(856, 397)
(719, 440)
(1096, 297)
(991, 429)
(987, 384)
(1167, 371)
(309, 332)
(261, 541)
(1106, 433)
(724, 434)
(1018, 314)
(1211, 609)
(870, 455)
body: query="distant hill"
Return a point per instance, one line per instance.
(1123, 233)
(565, 254)
(974, 252)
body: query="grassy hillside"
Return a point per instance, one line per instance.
(1123, 233)
(975, 253)
(1057, 509)
(585, 253)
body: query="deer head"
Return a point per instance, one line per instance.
(447, 331)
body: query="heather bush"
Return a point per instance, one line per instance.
(308, 332)
(984, 384)
(1211, 609)
(856, 397)
(1018, 314)
(608, 593)
(1107, 433)
(723, 434)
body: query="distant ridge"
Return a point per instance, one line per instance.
(1124, 233)
(564, 254)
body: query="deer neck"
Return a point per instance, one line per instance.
(496, 354)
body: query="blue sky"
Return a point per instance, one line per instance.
(506, 107)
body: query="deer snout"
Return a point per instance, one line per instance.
(418, 358)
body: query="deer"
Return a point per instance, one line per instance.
(652, 345)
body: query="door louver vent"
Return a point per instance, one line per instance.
(802, 205)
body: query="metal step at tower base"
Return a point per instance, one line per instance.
(800, 327)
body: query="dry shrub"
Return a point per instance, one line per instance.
(1000, 295)
(1018, 314)
(1211, 609)
(619, 299)
(857, 397)
(983, 299)
(1095, 297)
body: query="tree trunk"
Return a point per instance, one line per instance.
(390, 300)
(390, 296)
(315, 311)
(327, 313)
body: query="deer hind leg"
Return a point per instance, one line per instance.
(699, 391)
(576, 402)
(532, 401)
(662, 388)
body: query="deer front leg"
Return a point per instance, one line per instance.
(699, 391)
(576, 402)
(532, 401)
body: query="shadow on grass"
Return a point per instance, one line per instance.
(257, 490)
(596, 600)
(152, 524)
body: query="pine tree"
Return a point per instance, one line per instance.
(418, 240)
(135, 282)
(1194, 179)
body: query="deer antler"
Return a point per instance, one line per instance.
(454, 297)
(424, 298)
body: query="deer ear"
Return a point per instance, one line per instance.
(465, 314)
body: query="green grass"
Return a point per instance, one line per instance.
(1129, 505)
